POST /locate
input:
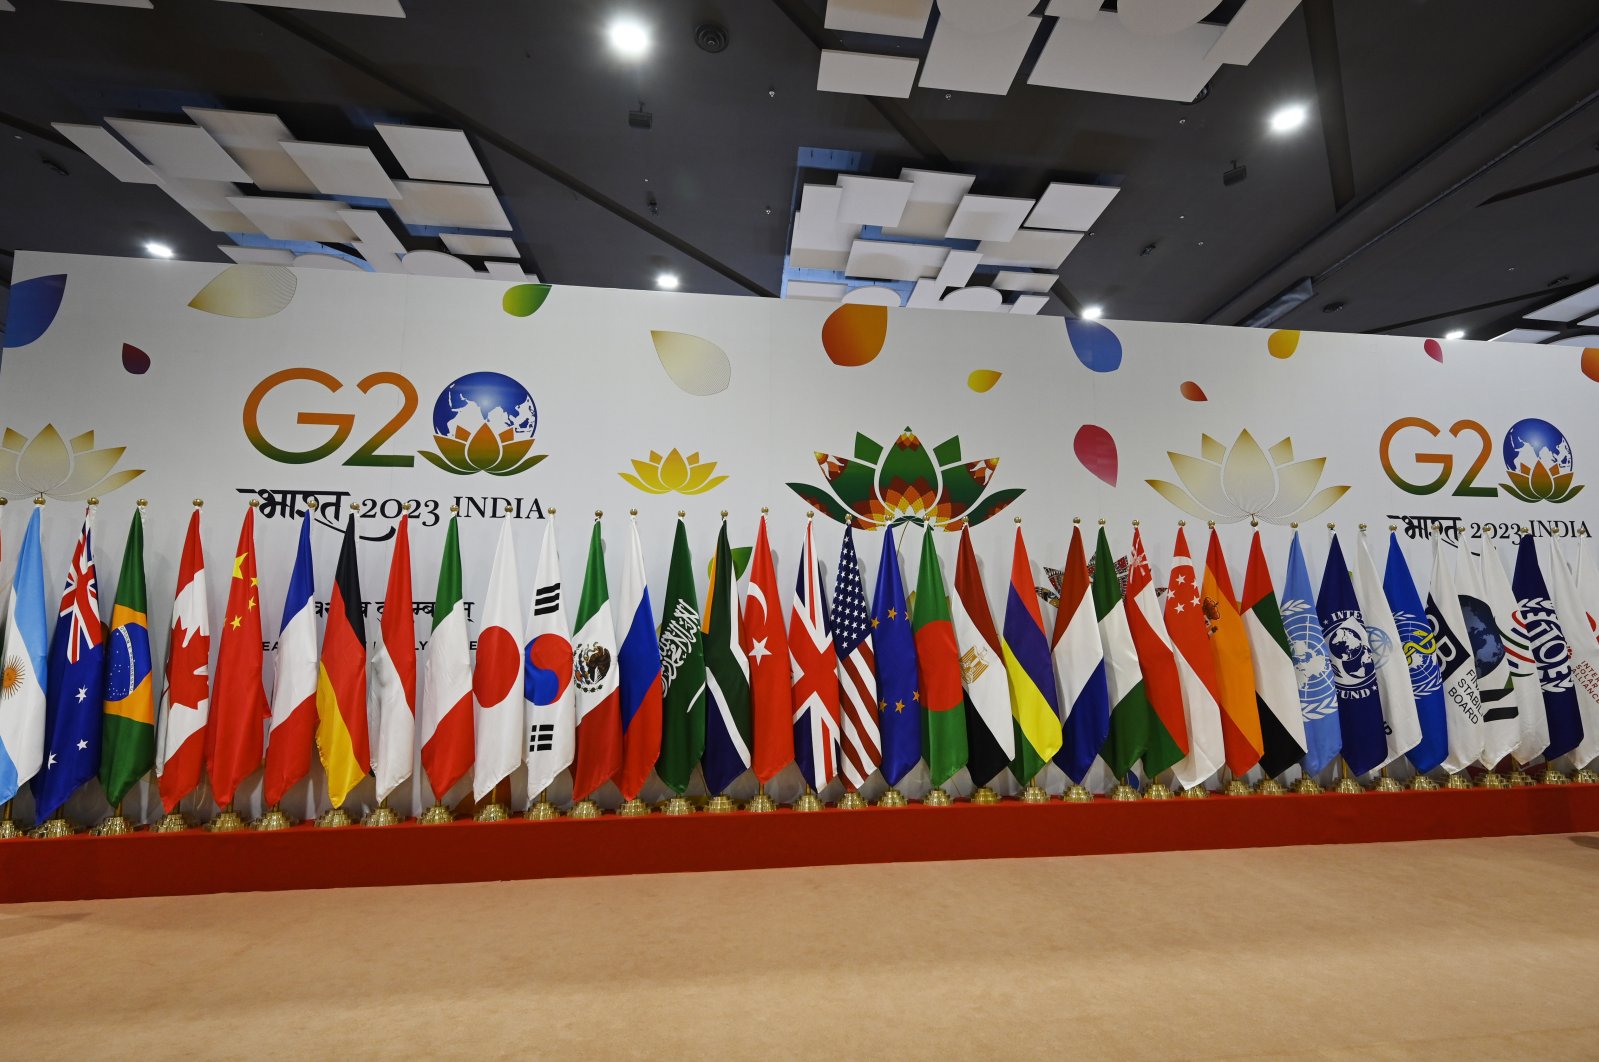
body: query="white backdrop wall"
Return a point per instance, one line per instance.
(601, 373)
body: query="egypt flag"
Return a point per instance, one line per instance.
(75, 684)
(1079, 666)
(1451, 644)
(445, 714)
(727, 678)
(394, 671)
(24, 659)
(814, 666)
(599, 714)
(127, 738)
(1282, 726)
(341, 736)
(771, 681)
(639, 683)
(861, 747)
(1189, 631)
(1034, 701)
(234, 737)
(1549, 650)
(1584, 659)
(288, 753)
(1168, 731)
(1131, 718)
(938, 661)
(498, 716)
(1401, 722)
(990, 727)
(1235, 673)
(551, 701)
(186, 700)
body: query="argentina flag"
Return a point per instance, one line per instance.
(23, 659)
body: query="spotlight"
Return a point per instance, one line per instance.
(666, 281)
(1459, 333)
(629, 38)
(157, 250)
(1287, 119)
(1093, 313)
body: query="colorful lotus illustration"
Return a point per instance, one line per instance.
(483, 451)
(1541, 483)
(68, 470)
(902, 483)
(674, 472)
(1228, 485)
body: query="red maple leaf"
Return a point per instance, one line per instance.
(188, 678)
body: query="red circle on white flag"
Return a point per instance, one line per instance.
(499, 666)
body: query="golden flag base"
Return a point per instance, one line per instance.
(1270, 787)
(1236, 787)
(1196, 792)
(541, 810)
(493, 811)
(892, 798)
(678, 805)
(1123, 791)
(937, 798)
(632, 808)
(851, 801)
(1422, 782)
(1585, 776)
(808, 801)
(585, 809)
(172, 822)
(113, 826)
(1553, 777)
(8, 828)
(228, 821)
(1347, 784)
(1077, 793)
(1519, 777)
(333, 818)
(984, 795)
(273, 818)
(55, 826)
(382, 815)
(1157, 791)
(1385, 784)
(437, 815)
(761, 803)
(1490, 780)
(1308, 786)
(720, 804)
(1458, 781)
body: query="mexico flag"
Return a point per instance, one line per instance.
(288, 754)
(497, 676)
(341, 680)
(394, 671)
(186, 702)
(599, 712)
(445, 718)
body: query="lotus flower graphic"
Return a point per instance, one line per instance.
(1538, 462)
(1228, 485)
(68, 470)
(484, 422)
(674, 472)
(902, 483)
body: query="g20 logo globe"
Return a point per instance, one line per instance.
(1536, 455)
(482, 422)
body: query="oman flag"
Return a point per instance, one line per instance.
(1235, 674)
(234, 738)
(599, 713)
(288, 754)
(1196, 670)
(938, 660)
(766, 646)
(1168, 730)
(394, 671)
(497, 677)
(186, 701)
(341, 734)
(445, 718)
(639, 682)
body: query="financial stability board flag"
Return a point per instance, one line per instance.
(727, 676)
(551, 699)
(766, 648)
(1282, 727)
(857, 668)
(1130, 715)
(1584, 657)
(1588, 585)
(1402, 729)
(682, 645)
(599, 717)
(234, 736)
(1550, 653)
(1419, 648)
(1079, 662)
(1501, 711)
(186, 699)
(1360, 721)
(498, 713)
(341, 731)
(938, 662)
(1167, 729)
(75, 684)
(127, 731)
(639, 682)
(1196, 669)
(1526, 689)
(1034, 698)
(445, 714)
(1318, 692)
(899, 695)
(990, 727)
(293, 731)
(394, 671)
(1235, 672)
(814, 666)
(1452, 647)
(25, 663)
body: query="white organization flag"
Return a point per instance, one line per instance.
(1527, 691)
(1584, 656)
(1501, 715)
(1452, 647)
(1393, 669)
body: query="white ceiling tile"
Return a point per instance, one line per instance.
(209, 201)
(1249, 29)
(179, 149)
(1159, 18)
(1009, 280)
(389, 8)
(505, 270)
(958, 268)
(984, 16)
(1070, 206)
(372, 230)
(988, 217)
(888, 18)
(1034, 248)
(872, 200)
(820, 240)
(1586, 339)
(455, 206)
(866, 75)
(97, 142)
(257, 255)
(1028, 304)
(965, 61)
(985, 299)
(1102, 55)
(342, 169)
(925, 295)
(295, 219)
(326, 261)
(1570, 308)
(381, 259)
(873, 295)
(932, 203)
(881, 260)
(480, 246)
(436, 264)
(811, 289)
(1524, 335)
(255, 142)
(434, 154)
(5, 5)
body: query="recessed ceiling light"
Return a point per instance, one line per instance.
(668, 281)
(1093, 313)
(1458, 333)
(157, 250)
(1287, 119)
(629, 38)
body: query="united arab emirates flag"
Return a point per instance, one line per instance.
(1282, 727)
(939, 662)
(682, 671)
(127, 750)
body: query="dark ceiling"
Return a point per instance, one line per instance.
(1449, 177)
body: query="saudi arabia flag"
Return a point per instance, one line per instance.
(682, 671)
(127, 750)
(939, 661)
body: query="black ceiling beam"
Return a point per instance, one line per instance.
(1327, 68)
(352, 58)
(1542, 295)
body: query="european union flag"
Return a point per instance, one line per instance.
(899, 700)
(1420, 643)
(75, 686)
(1360, 721)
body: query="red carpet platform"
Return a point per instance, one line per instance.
(148, 864)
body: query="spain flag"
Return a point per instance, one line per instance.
(341, 737)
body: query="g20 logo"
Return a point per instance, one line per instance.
(482, 422)
(1536, 456)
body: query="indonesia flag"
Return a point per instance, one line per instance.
(288, 754)
(394, 671)
(186, 701)
(639, 683)
(814, 667)
(497, 677)
(599, 714)
(766, 646)
(550, 699)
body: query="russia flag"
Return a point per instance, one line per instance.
(640, 679)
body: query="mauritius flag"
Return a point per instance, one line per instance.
(1033, 696)
(127, 731)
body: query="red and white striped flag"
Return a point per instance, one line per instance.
(814, 666)
(857, 669)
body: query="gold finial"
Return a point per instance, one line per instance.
(1182, 523)
(1211, 524)
(1101, 521)
(40, 500)
(197, 502)
(632, 512)
(93, 502)
(455, 508)
(255, 503)
(724, 514)
(142, 502)
(764, 510)
(1253, 522)
(1526, 529)
(552, 510)
(3, 501)
(1363, 529)
(810, 514)
(1331, 525)
(312, 504)
(1294, 525)
(1393, 527)
(1018, 520)
(1135, 523)
(680, 513)
(1077, 519)
(598, 513)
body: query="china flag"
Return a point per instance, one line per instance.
(341, 680)
(235, 737)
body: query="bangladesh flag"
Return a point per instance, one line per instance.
(938, 660)
(682, 671)
(127, 750)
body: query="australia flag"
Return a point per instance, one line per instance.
(75, 688)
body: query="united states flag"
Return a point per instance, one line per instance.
(814, 664)
(857, 681)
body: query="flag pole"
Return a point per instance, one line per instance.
(808, 800)
(493, 809)
(1384, 783)
(117, 823)
(542, 810)
(677, 803)
(1517, 776)
(1197, 792)
(58, 825)
(1307, 784)
(1234, 786)
(1460, 779)
(228, 820)
(721, 803)
(1421, 781)
(1032, 792)
(1076, 792)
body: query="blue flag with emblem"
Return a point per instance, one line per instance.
(75, 685)
(1549, 651)
(898, 697)
(1417, 639)
(1318, 694)
(1354, 666)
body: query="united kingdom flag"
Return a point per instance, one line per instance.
(75, 691)
(814, 663)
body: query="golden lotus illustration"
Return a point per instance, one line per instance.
(500, 454)
(1231, 484)
(68, 470)
(674, 472)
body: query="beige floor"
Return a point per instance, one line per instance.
(1446, 949)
